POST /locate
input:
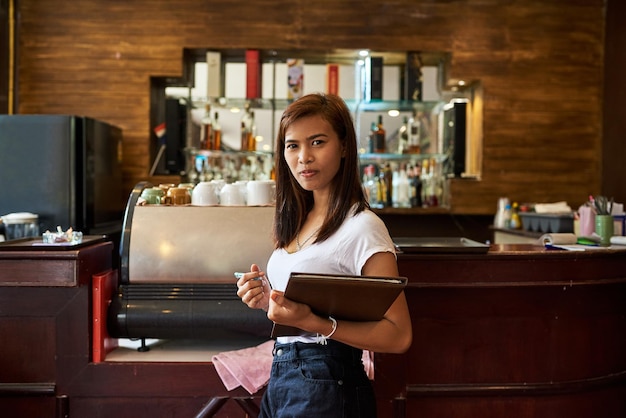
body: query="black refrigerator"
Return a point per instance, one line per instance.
(66, 169)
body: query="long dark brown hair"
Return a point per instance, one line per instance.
(293, 203)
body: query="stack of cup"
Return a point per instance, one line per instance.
(261, 193)
(205, 194)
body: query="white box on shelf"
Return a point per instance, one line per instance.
(214, 73)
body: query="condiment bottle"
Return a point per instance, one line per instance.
(380, 134)
(216, 143)
(207, 127)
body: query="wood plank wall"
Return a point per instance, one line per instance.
(540, 63)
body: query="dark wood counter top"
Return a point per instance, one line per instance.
(25, 263)
(515, 265)
(520, 331)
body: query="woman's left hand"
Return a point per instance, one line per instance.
(285, 311)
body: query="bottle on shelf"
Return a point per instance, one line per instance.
(206, 131)
(381, 189)
(515, 221)
(414, 134)
(434, 185)
(370, 185)
(426, 184)
(388, 175)
(499, 221)
(439, 183)
(244, 137)
(216, 142)
(371, 139)
(395, 186)
(401, 188)
(416, 187)
(506, 216)
(252, 133)
(403, 136)
(379, 145)
(248, 136)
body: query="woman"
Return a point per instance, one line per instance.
(323, 224)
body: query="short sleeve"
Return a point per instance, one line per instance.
(364, 235)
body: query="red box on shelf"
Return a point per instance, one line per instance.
(253, 74)
(332, 78)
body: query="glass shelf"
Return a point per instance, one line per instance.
(239, 103)
(387, 105)
(383, 157)
(353, 105)
(192, 152)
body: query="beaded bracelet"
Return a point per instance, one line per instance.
(322, 339)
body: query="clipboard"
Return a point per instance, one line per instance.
(352, 298)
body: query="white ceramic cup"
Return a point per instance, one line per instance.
(261, 192)
(205, 194)
(231, 195)
(242, 184)
(219, 183)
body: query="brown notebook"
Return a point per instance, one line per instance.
(353, 298)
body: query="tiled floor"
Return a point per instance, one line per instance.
(177, 350)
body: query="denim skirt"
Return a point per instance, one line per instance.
(314, 380)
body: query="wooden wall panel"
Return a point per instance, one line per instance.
(540, 63)
(613, 143)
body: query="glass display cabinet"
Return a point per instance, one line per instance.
(230, 104)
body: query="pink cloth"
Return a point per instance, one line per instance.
(368, 363)
(248, 367)
(251, 367)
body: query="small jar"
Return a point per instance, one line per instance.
(153, 195)
(21, 225)
(178, 196)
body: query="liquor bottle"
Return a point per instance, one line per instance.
(247, 126)
(414, 133)
(395, 186)
(381, 195)
(403, 136)
(217, 133)
(416, 187)
(370, 184)
(402, 188)
(244, 137)
(435, 183)
(371, 139)
(388, 184)
(425, 181)
(251, 133)
(379, 145)
(206, 129)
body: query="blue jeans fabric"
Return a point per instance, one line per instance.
(314, 380)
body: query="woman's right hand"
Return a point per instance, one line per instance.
(254, 289)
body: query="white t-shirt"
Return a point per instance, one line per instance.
(345, 252)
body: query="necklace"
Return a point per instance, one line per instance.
(298, 245)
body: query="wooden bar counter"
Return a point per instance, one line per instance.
(45, 322)
(518, 332)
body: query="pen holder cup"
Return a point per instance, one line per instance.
(605, 229)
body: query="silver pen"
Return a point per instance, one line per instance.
(239, 275)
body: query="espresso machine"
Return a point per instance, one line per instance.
(177, 267)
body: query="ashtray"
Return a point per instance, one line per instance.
(61, 237)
